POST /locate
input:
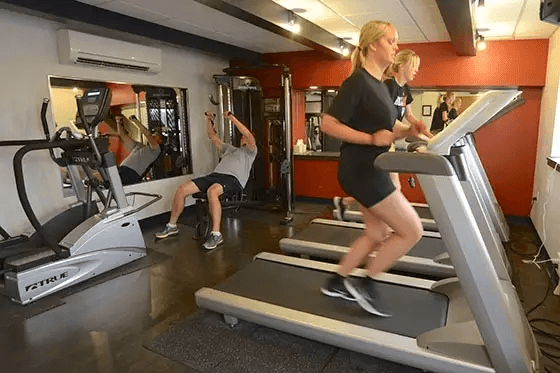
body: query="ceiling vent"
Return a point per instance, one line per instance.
(91, 50)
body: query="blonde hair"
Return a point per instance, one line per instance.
(402, 58)
(448, 94)
(370, 33)
(457, 102)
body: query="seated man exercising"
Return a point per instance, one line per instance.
(230, 175)
(141, 156)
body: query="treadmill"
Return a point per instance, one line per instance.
(332, 239)
(472, 323)
(352, 214)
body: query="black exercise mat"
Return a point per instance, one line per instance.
(11, 309)
(206, 343)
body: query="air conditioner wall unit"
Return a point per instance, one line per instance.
(84, 49)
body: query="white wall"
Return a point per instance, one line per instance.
(29, 55)
(546, 187)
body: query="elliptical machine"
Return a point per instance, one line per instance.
(100, 242)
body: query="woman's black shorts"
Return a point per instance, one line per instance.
(363, 181)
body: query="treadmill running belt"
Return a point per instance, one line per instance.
(423, 212)
(415, 311)
(427, 247)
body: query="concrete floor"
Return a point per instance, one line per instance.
(102, 328)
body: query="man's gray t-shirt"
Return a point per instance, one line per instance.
(236, 162)
(140, 157)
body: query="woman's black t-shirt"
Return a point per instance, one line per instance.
(452, 114)
(400, 95)
(437, 120)
(363, 103)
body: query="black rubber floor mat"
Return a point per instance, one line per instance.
(206, 343)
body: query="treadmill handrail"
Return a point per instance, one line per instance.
(415, 163)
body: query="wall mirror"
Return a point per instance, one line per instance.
(161, 111)
(426, 100)
(318, 101)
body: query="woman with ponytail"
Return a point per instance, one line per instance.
(398, 74)
(364, 118)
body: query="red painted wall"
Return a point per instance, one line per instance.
(316, 178)
(507, 147)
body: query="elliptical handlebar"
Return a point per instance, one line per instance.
(44, 107)
(98, 159)
(98, 102)
(22, 192)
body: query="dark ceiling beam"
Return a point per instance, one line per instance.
(68, 10)
(458, 20)
(268, 15)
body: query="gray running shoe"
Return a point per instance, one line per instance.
(335, 288)
(339, 208)
(366, 293)
(213, 241)
(167, 231)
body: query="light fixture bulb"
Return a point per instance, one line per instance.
(292, 24)
(342, 47)
(481, 44)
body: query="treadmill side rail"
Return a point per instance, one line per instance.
(461, 340)
(368, 341)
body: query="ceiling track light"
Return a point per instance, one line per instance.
(292, 23)
(343, 48)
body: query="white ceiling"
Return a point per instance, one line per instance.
(420, 21)
(416, 20)
(198, 19)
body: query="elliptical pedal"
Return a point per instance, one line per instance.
(28, 260)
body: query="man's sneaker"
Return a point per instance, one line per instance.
(213, 240)
(335, 288)
(339, 208)
(366, 294)
(167, 231)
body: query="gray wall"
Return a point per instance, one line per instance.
(29, 55)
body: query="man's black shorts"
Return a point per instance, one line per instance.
(128, 175)
(229, 183)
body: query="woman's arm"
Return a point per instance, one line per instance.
(444, 116)
(401, 130)
(333, 127)
(419, 124)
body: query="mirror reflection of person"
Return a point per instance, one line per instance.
(230, 175)
(441, 114)
(454, 112)
(140, 156)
